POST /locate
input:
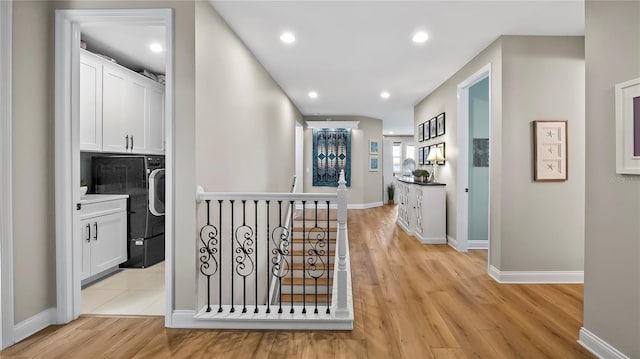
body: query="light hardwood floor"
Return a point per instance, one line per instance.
(411, 301)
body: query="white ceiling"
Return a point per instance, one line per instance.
(350, 51)
(127, 44)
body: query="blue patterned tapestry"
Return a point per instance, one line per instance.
(331, 153)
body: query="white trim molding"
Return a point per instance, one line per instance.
(424, 240)
(452, 242)
(598, 347)
(478, 244)
(536, 277)
(32, 325)
(332, 124)
(6, 173)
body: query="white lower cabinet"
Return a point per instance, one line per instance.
(422, 211)
(104, 236)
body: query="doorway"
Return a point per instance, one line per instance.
(70, 226)
(474, 139)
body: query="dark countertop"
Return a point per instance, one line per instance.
(411, 181)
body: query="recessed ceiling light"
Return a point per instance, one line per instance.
(313, 94)
(420, 37)
(385, 94)
(287, 38)
(156, 47)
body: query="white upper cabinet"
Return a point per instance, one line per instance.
(156, 121)
(120, 110)
(115, 138)
(90, 103)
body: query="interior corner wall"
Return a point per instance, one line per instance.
(542, 222)
(445, 99)
(612, 244)
(366, 186)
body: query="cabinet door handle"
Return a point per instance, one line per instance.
(89, 234)
(126, 140)
(95, 235)
(131, 142)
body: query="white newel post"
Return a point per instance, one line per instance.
(342, 310)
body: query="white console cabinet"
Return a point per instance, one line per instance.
(422, 210)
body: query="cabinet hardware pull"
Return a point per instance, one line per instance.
(131, 142)
(126, 140)
(89, 234)
(95, 236)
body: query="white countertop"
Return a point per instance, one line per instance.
(97, 198)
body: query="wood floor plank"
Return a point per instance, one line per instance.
(410, 301)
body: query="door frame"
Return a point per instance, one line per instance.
(6, 176)
(462, 226)
(67, 148)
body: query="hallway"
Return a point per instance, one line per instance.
(411, 301)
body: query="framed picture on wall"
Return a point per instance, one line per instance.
(425, 154)
(441, 147)
(440, 124)
(550, 151)
(373, 147)
(433, 127)
(421, 132)
(421, 155)
(373, 163)
(628, 127)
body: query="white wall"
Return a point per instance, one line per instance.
(387, 168)
(612, 245)
(366, 187)
(542, 222)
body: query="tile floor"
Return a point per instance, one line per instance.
(131, 291)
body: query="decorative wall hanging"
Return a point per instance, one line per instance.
(373, 163)
(440, 124)
(433, 128)
(331, 154)
(441, 146)
(628, 127)
(480, 152)
(421, 132)
(425, 155)
(373, 147)
(550, 151)
(421, 156)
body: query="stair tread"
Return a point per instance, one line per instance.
(299, 252)
(308, 298)
(308, 281)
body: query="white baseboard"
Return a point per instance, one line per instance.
(452, 242)
(536, 277)
(349, 206)
(598, 347)
(405, 228)
(189, 319)
(423, 240)
(32, 325)
(478, 244)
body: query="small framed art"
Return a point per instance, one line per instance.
(421, 156)
(421, 132)
(440, 124)
(628, 127)
(433, 127)
(373, 147)
(373, 163)
(550, 151)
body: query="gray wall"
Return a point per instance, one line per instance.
(612, 245)
(366, 187)
(542, 222)
(33, 192)
(533, 226)
(444, 99)
(478, 176)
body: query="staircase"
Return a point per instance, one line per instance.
(300, 285)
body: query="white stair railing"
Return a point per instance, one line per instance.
(245, 244)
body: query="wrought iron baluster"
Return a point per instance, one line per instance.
(281, 265)
(233, 309)
(292, 207)
(268, 261)
(255, 204)
(220, 258)
(328, 255)
(304, 262)
(244, 264)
